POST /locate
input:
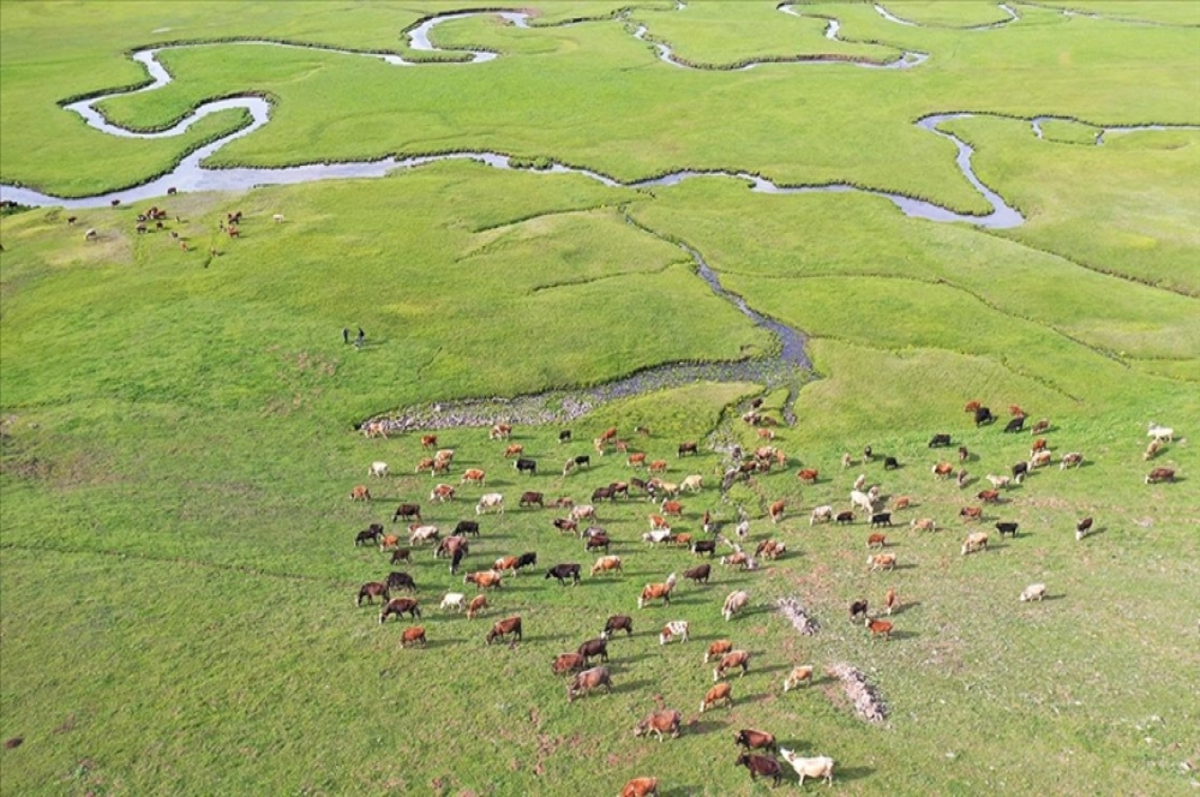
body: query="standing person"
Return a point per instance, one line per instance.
(345, 335)
(362, 336)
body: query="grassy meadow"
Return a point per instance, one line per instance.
(177, 567)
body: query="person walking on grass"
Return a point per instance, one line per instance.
(345, 334)
(362, 336)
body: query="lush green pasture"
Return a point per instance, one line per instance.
(177, 568)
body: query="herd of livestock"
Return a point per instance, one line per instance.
(585, 667)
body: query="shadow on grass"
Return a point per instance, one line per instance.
(633, 686)
(699, 727)
(774, 668)
(901, 608)
(846, 774)
(681, 791)
(900, 636)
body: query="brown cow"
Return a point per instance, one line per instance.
(412, 635)
(721, 693)
(441, 493)
(530, 498)
(971, 513)
(400, 607)
(506, 627)
(429, 441)
(514, 450)
(761, 765)
(473, 475)
(672, 508)
(667, 720)
(754, 740)
(360, 493)
(881, 628)
(776, 510)
(588, 680)
(658, 466)
(732, 659)
(881, 561)
(808, 475)
(568, 663)
(606, 564)
(641, 787)
(718, 648)
(657, 591)
(943, 470)
(477, 605)
(989, 496)
(501, 431)
(372, 590)
(1160, 475)
(486, 579)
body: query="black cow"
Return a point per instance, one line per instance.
(939, 440)
(881, 519)
(705, 546)
(618, 622)
(527, 559)
(891, 463)
(1020, 470)
(466, 527)
(858, 609)
(407, 512)
(686, 448)
(845, 517)
(1016, 424)
(761, 765)
(594, 541)
(594, 647)
(524, 465)
(1007, 527)
(583, 461)
(983, 415)
(398, 579)
(564, 436)
(456, 559)
(563, 572)
(698, 573)
(371, 533)
(601, 493)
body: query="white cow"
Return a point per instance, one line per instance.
(454, 600)
(673, 629)
(734, 603)
(489, 501)
(378, 469)
(818, 767)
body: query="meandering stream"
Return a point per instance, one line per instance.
(785, 368)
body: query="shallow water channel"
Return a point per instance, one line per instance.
(787, 368)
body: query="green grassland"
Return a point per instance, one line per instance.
(177, 568)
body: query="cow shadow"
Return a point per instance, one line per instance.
(774, 668)
(853, 773)
(682, 791)
(1096, 532)
(902, 635)
(901, 608)
(741, 700)
(699, 727)
(634, 686)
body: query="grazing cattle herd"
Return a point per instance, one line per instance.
(759, 748)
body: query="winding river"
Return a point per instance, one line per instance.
(785, 369)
